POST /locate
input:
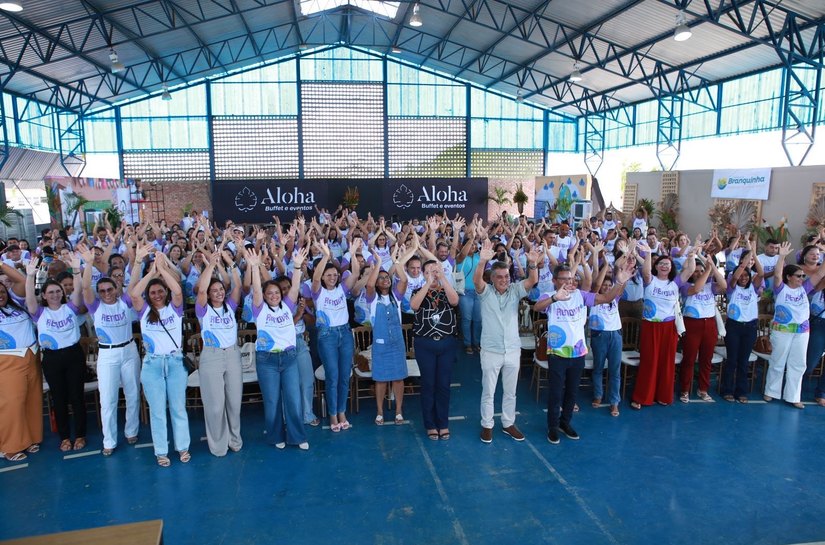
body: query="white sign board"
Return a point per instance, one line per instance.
(743, 183)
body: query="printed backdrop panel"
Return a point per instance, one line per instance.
(257, 201)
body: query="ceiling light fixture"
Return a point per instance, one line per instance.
(576, 74)
(682, 32)
(416, 20)
(519, 97)
(165, 95)
(395, 49)
(303, 46)
(117, 66)
(11, 5)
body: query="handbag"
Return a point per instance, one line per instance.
(720, 324)
(763, 345)
(460, 281)
(679, 319)
(189, 360)
(248, 357)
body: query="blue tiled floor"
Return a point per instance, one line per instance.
(697, 473)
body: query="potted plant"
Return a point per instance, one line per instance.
(520, 198)
(351, 197)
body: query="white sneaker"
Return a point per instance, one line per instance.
(280, 445)
(304, 446)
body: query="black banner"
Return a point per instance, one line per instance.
(257, 201)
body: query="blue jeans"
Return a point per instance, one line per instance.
(739, 341)
(607, 348)
(280, 385)
(336, 347)
(435, 361)
(816, 346)
(470, 307)
(164, 381)
(307, 375)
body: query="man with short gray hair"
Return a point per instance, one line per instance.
(500, 341)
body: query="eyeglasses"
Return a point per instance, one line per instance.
(800, 275)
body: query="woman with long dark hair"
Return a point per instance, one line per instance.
(335, 343)
(744, 291)
(389, 352)
(790, 329)
(219, 369)
(276, 358)
(64, 363)
(158, 300)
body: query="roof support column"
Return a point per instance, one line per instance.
(71, 141)
(594, 125)
(669, 129)
(801, 101)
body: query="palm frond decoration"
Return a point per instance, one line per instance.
(816, 214)
(669, 212)
(719, 215)
(7, 213)
(742, 216)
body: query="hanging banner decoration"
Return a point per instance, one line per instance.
(742, 183)
(555, 196)
(257, 201)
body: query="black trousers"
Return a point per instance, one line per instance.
(564, 376)
(65, 371)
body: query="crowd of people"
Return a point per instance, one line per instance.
(459, 283)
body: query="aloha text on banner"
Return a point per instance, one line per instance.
(742, 183)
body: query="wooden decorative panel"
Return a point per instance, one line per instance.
(670, 183)
(631, 195)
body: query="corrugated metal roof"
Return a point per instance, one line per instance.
(28, 164)
(163, 33)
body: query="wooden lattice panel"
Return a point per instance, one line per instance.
(670, 183)
(817, 191)
(631, 195)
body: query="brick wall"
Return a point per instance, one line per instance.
(175, 195)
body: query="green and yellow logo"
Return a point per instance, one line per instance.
(722, 183)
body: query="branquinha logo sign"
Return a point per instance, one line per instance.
(741, 184)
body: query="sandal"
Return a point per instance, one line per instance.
(34, 447)
(345, 425)
(596, 402)
(433, 435)
(729, 398)
(108, 451)
(132, 440)
(79, 443)
(742, 399)
(315, 422)
(399, 419)
(19, 457)
(685, 397)
(798, 405)
(614, 410)
(444, 435)
(767, 399)
(335, 427)
(469, 350)
(704, 396)
(65, 445)
(379, 420)
(185, 456)
(164, 461)
(820, 401)
(635, 406)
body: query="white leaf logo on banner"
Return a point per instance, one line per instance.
(403, 197)
(246, 200)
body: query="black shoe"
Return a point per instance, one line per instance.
(568, 430)
(553, 436)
